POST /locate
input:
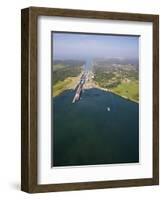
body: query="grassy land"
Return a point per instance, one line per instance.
(66, 74)
(57, 66)
(128, 90)
(121, 82)
(68, 83)
(61, 73)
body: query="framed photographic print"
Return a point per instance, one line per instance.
(90, 99)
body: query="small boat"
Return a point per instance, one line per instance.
(108, 108)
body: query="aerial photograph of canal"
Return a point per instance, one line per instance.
(95, 99)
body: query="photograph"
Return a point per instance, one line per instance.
(95, 99)
(89, 99)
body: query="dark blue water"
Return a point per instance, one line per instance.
(86, 133)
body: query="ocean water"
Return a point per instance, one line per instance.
(101, 128)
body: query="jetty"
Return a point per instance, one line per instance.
(79, 87)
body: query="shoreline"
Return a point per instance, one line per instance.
(124, 97)
(103, 89)
(67, 84)
(107, 90)
(87, 86)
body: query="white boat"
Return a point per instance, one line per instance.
(108, 108)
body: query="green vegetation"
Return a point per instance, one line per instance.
(57, 66)
(66, 84)
(128, 90)
(65, 75)
(62, 73)
(69, 63)
(106, 80)
(121, 79)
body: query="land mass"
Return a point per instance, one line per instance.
(116, 76)
(66, 74)
(119, 77)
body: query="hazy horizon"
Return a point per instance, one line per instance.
(90, 46)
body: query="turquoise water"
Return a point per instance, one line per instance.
(86, 133)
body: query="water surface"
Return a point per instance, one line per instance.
(86, 133)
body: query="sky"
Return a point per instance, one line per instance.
(90, 46)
